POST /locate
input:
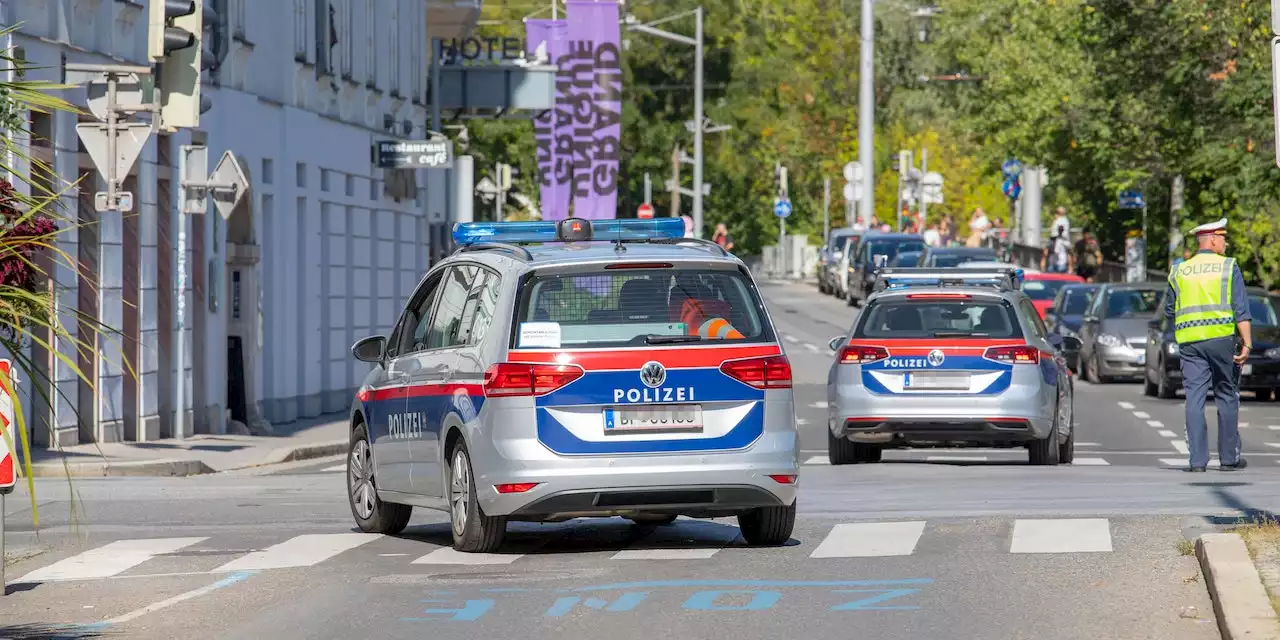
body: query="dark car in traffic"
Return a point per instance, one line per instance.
(1066, 315)
(946, 257)
(906, 259)
(874, 253)
(1259, 374)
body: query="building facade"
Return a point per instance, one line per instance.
(321, 251)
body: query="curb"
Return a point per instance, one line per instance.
(1240, 602)
(119, 469)
(305, 452)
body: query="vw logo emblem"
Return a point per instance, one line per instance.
(936, 358)
(653, 374)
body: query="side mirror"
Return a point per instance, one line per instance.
(1154, 324)
(1071, 343)
(836, 343)
(370, 349)
(879, 260)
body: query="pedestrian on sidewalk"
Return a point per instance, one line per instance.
(1207, 302)
(1057, 256)
(723, 238)
(1088, 256)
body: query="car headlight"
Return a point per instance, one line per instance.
(1108, 340)
(1173, 349)
(1272, 353)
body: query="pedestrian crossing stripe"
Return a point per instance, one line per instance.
(685, 540)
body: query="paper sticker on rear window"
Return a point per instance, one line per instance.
(540, 335)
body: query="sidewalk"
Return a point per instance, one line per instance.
(300, 440)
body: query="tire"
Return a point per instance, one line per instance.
(851, 300)
(1163, 389)
(1094, 371)
(371, 514)
(477, 532)
(1264, 395)
(866, 452)
(1045, 452)
(767, 526)
(653, 519)
(1067, 450)
(1149, 388)
(840, 450)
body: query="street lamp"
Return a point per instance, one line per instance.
(700, 125)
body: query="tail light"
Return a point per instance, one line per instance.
(783, 478)
(769, 372)
(1020, 354)
(519, 487)
(858, 354)
(507, 379)
(938, 296)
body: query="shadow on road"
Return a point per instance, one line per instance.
(51, 632)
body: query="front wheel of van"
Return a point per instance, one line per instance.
(768, 526)
(473, 531)
(372, 515)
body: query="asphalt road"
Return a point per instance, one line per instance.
(988, 548)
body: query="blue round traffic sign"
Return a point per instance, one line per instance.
(782, 208)
(1012, 189)
(1011, 169)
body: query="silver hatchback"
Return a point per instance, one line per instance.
(548, 371)
(949, 358)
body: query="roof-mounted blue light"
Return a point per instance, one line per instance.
(570, 230)
(1005, 278)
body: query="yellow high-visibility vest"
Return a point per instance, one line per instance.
(1203, 308)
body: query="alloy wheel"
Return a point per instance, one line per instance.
(362, 491)
(459, 492)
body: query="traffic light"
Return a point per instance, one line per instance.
(174, 34)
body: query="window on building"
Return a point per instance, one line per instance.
(346, 38)
(238, 19)
(394, 43)
(350, 189)
(371, 44)
(415, 60)
(268, 171)
(327, 51)
(300, 30)
(302, 174)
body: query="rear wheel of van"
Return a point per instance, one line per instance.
(768, 526)
(473, 531)
(372, 515)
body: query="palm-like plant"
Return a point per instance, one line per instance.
(29, 226)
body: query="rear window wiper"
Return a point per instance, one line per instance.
(960, 334)
(657, 339)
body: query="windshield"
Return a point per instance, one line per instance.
(1043, 289)
(1132, 303)
(841, 242)
(1263, 312)
(905, 318)
(638, 307)
(951, 259)
(891, 248)
(1077, 300)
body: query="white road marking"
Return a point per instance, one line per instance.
(1090, 462)
(109, 559)
(811, 347)
(870, 540)
(686, 540)
(1274, 427)
(1125, 405)
(1167, 433)
(1155, 423)
(1087, 444)
(300, 551)
(818, 405)
(1141, 415)
(956, 459)
(1273, 444)
(181, 597)
(1182, 462)
(818, 460)
(1083, 535)
(1243, 425)
(1181, 446)
(341, 467)
(449, 555)
(791, 339)
(801, 421)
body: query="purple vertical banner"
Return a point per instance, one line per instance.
(552, 179)
(595, 73)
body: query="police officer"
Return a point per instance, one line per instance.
(1208, 304)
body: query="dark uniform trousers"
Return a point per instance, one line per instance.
(1206, 365)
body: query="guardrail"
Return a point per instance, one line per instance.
(1028, 256)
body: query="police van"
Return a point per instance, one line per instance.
(547, 371)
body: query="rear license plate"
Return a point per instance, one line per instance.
(1246, 370)
(681, 417)
(936, 381)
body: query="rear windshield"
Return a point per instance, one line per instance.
(903, 318)
(1132, 303)
(1043, 289)
(906, 259)
(1076, 302)
(639, 307)
(952, 259)
(891, 248)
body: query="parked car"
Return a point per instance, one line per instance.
(840, 268)
(1113, 333)
(1043, 287)
(1260, 374)
(1066, 314)
(881, 247)
(941, 257)
(830, 256)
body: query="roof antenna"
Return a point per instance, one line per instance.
(617, 241)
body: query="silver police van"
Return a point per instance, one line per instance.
(548, 371)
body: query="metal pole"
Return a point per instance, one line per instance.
(697, 129)
(866, 112)
(648, 189)
(783, 268)
(111, 142)
(924, 170)
(826, 211)
(502, 194)
(180, 375)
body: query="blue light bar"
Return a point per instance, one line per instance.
(636, 229)
(902, 278)
(465, 233)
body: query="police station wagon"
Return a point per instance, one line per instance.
(548, 371)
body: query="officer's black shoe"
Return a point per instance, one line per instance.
(1196, 469)
(1242, 463)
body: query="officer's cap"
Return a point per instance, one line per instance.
(1218, 228)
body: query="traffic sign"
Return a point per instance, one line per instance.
(419, 154)
(128, 92)
(931, 188)
(853, 171)
(852, 191)
(1011, 168)
(1131, 200)
(8, 465)
(782, 208)
(129, 142)
(123, 203)
(645, 210)
(1012, 188)
(228, 184)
